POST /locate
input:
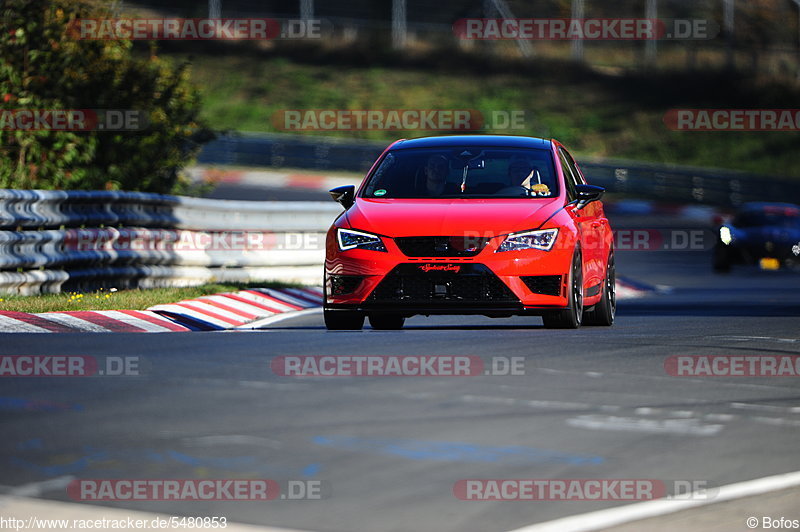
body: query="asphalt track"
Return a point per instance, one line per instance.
(593, 403)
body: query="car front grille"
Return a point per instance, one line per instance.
(441, 246)
(442, 284)
(548, 285)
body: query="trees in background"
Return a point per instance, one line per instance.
(44, 67)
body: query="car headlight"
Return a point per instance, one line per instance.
(350, 239)
(542, 239)
(725, 235)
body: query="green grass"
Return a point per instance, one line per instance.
(605, 114)
(119, 300)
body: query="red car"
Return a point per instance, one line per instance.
(485, 224)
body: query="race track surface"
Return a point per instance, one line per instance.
(592, 403)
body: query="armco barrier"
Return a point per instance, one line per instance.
(55, 240)
(680, 184)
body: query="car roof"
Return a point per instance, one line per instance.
(445, 141)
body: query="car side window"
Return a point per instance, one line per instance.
(569, 178)
(579, 179)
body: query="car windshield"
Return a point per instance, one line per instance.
(769, 216)
(464, 172)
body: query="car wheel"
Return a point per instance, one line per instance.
(605, 310)
(570, 317)
(386, 322)
(721, 262)
(343, 320)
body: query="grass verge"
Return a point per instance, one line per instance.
(121, 299)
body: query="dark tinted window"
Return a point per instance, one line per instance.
(569, 176)
(464, 172)
(576, 172)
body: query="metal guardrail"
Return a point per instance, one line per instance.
(63, 240)
(55, 240)
(680, 184)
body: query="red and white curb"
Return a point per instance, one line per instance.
(246, 309)
(87, 321)
(228, 311)
(207, 313)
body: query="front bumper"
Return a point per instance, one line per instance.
(502, 284)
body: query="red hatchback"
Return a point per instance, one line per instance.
(484, 224)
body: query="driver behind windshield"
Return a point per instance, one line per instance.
(436, 169)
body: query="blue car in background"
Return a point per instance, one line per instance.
(762, 234)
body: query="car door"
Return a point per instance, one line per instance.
(589, 220)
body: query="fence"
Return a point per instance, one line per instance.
(752, 36)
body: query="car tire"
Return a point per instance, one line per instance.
(343, 320)
(570, 317)
(386, 322)
(605, 310)
(721, 263)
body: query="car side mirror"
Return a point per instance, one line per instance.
(345, 195)
(588, 194)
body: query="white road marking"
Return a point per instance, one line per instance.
(654, 426)
(643, 510)
(751, 338)
(776, 421)
(231, 439)
(266, 385)
(720, 417)
(759, 408)
(523, 402)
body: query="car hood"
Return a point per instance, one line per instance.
(442, 217)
